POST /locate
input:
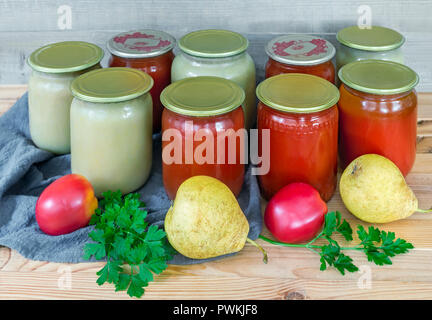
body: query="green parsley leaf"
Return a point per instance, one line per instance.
(122, 237)
(378, 246)
(329, 253)
(94, 249)
(136, 286)
(343, 227)
(123, 282)
(330, 223)
(343, 263)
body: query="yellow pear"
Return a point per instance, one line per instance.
(374, 190)
(206, 220)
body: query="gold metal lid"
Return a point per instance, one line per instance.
(213, 43)
(68, 56)
(374, 39)
(297, 93)
(378, 77)
(111, 85)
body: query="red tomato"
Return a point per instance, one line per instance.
(295, 214)
(66, 205)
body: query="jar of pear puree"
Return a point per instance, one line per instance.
(218, 53)
(376, 42)
(111, 128)
(54, 67)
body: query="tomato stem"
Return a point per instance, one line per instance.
(265, 258)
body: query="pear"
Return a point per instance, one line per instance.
(374, 190)
(206, 220)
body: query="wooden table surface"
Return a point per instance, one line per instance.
(292, 273)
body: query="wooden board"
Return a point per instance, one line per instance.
(290, 274)
(27, 25)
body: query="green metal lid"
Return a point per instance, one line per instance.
(68, 56)
(202, 96)
(378, 77)
(374, 39)
(111, 85)
(213, 43)
(300, 49)
(297, 93)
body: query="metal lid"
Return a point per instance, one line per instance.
(298, 49)
(202, 96)
(374, 39)
(213, 43)
(111, 85)
(378, 77)
(144, 43)
(297, 93)
(68, 56)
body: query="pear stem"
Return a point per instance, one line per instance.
(265, 258)
(424, 211)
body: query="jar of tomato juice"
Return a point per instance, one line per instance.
(301, 113)
(203, 132)
(378, 112)
(300, 54)
(150, 51)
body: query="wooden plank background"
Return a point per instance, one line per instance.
(26, 25)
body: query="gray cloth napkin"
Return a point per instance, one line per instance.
(25, 171)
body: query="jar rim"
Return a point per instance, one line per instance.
(202, 96)
(300, 49)
(109, 85)
(375, 38)
(143, 43)
(297, 93)
(65, 57)
(213, 43)
(379, 77)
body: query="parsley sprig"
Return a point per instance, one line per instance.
(378, 246)
(133, 250)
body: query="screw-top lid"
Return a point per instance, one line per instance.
(297, 49)
(68, 56)
(141, 44)
(202, 96)
(213, 43)
(297, 93)
(378, 76)
(374, 39)
(111, 85)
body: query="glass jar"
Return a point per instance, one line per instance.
(111, 128)
(301, 113)
(150, 51)
(378, 112)
(203, 111)
(219, 53)
(377, 43)
(300, 54)
(54, 67)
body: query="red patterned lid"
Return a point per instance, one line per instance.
(299, 49)
(141, 43)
